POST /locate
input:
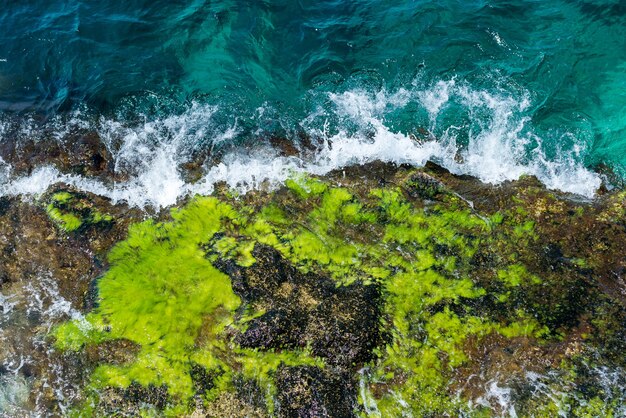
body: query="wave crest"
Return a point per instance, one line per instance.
(486, 134)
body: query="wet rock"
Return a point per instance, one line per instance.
(285, 146)
(366, 176)
(30, 246)
(44, 274)
(509, 281)
(5, 204)
(112, 352)
(421, 185)
(82, 152)
(340, 323)
(132, 400)
(203, 379)
(273, 330)
(303, 147)
(309, 392)
(230, 405)
(90, 300)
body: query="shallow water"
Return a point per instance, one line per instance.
(494, 89)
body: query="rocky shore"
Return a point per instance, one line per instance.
(377, 290)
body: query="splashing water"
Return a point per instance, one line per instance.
(492, 90)
(494, 142)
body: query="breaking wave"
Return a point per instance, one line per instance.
(486, 134)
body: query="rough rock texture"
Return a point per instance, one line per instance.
(81, 153)
(376, 290)
(45, 276)
(311, 392)
(340, 324)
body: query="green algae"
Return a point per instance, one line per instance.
(411, 240)
(305, 186)
(66, 221)
(160, 278)
(99, 217)
(427, 345)
(164, 293)
(515, 275)
(70, 212)
(62, 197)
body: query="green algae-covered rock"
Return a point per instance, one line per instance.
(72, 211)
(379, 291)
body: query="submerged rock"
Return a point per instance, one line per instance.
(374, 291)
(82, 152)
(45, 274)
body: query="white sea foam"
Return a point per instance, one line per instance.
(27, 315)
(495, 143)
(14, 392)
(499, 397)
(556, 389)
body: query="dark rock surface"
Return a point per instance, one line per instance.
(341, 324)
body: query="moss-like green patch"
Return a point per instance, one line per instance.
(71, 212)
(66, 221)
(163, 294)
(270, 292)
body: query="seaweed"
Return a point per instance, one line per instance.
(392, 293)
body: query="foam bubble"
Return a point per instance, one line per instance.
(435, 98)
(555, 388)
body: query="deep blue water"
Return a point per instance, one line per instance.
(503, 87)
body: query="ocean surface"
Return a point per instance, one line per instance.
(495, 89)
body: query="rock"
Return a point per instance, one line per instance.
(341, 324)
(82, 152)
(309, 392)
(375, 288)
(45, 274)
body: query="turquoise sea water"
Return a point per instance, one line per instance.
(490, 88)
